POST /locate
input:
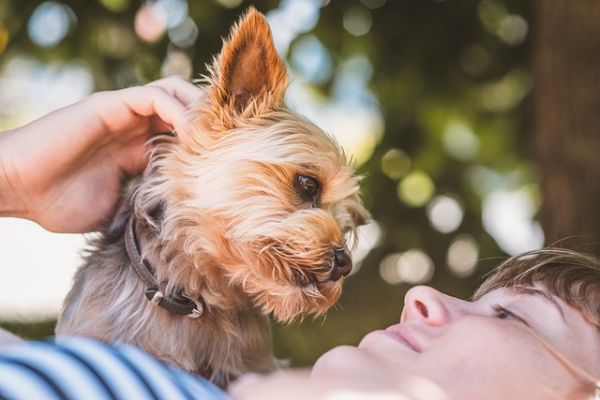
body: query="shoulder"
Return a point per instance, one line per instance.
(79, 368)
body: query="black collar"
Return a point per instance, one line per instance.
(178, 303)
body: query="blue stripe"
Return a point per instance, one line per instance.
(83, 368)
(201, 388)
(177, 380)
(40, 375)
(19, 383)
(135, 371)
(59, 367)
(156, 373)
(119, 376)
(81, 361)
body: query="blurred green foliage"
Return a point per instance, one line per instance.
(31, 330)
(444, 73)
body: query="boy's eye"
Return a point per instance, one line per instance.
(307, 187)
(501, 312)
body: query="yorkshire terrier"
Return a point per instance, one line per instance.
(246, 216)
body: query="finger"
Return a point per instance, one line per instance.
(158, 125)
(149, 101)
(186, 92)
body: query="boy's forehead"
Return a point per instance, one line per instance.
(535, 290)
(528, 293)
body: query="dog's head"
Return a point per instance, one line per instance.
(265, 192)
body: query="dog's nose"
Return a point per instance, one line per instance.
(342, 264)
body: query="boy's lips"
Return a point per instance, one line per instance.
(398, 332)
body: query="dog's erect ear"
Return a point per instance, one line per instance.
(248, 72)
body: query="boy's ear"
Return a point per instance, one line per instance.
(248, 76)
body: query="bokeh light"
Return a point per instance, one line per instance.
(483, 180)
(509, 217)
(462, 256)
(153, 19)
(50, 23)
(445, 213)
(460, 141)
(230, 3)
(31, 88)
(395, 163)
(367, 238)
(174, 12)
(4, 36)
(512, 29)
(177, 63)
(290, 19)
(352, 115)
(358, 20)
(491, 13)
(184, 34)
(115, 5)
(415, 189)
(311, 60)
(351, 81)
(150, 24)
(388, 269)
(412, 267)
(506, 93)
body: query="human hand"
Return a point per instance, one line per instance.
(66, 169)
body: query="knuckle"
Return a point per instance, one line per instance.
(98, 97)
(175, 78)
(155, 91)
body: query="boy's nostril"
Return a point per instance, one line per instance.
(422, 308)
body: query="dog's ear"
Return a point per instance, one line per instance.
(248, 77)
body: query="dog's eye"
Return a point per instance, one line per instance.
(308, 187)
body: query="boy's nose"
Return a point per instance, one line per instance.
(427, 305)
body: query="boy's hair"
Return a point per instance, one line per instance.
(574, 277)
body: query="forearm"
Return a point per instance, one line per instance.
(36, 158)
(12, 203)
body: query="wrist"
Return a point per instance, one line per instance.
(12, 203)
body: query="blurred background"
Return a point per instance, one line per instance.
(464, 162)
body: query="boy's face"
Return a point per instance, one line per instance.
(482, 349)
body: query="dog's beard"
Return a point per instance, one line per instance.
(291, 294)
(289, 272)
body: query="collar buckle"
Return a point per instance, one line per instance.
(156, 294)
(177, 303)
(197, 311)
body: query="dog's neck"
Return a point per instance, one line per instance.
(179, 273)
(177, 303)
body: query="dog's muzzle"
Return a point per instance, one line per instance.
(342, 264)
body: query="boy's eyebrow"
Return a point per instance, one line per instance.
(540, 293)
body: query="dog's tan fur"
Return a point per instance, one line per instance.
(219, 217)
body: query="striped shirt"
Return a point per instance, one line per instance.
(80, 368)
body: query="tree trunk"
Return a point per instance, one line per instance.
(567, 119)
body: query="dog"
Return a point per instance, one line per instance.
(246, 216)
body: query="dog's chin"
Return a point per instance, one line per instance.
(294, 302)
